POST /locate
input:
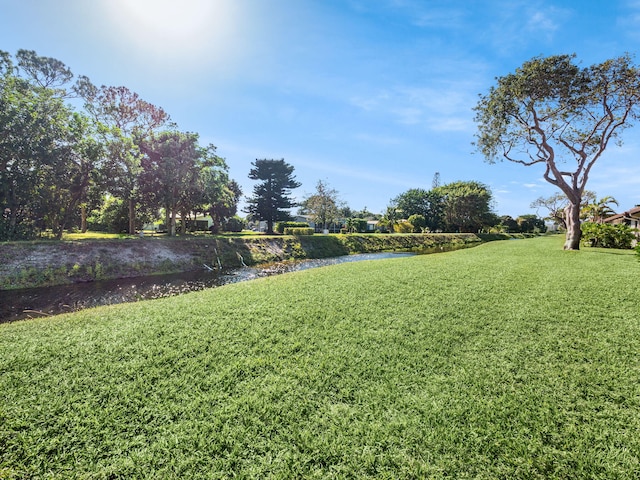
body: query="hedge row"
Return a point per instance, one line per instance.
(298, 231)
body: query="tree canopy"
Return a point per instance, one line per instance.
(58, 161)
(466, 206)
(427, 203)
(271, 199)
(553, 112)
(323, 205)
(463, 206)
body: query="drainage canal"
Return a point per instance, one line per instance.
(46, 301)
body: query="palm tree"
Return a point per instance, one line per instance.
(350, 225)
(390, 218)
(599, 210)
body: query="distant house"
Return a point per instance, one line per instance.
(630, 217)
(333, 227)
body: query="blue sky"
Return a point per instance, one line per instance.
(371, 96)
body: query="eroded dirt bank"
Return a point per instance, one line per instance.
(37, 264)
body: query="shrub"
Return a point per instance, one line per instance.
(419, 222)
(606, 235)
(298, 231)
(403, 227)
(24, 229)
(280, 226)
(235, 224)
(356, 225)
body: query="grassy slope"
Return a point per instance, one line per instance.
(509, 360)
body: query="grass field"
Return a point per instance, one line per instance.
(513, 359)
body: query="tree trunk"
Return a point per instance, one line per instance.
(83, 218)
(132, 217)
(269, 227)
(572, 219)
(13, 220)
(172, 228)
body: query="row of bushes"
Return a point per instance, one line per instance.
(281, 226)
(299, 231)
(606, 235)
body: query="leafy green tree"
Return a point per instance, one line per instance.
(75, 167)
(31, 123)
(235, 224)
(466, 206)
(508, 224)
(111, 215)
(531, 224)
(418, 222)
(172, 178)
(222, 196)
(417, 201)
(48, 156)
(322, 206)
(550, 111)
(356, 225)
(345, 212)
(127, 121)
(364, 213)
(350, 224)
(45, 72)
(271, 197)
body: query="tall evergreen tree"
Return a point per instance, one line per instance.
(270, 201)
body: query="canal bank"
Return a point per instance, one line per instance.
(47, 263)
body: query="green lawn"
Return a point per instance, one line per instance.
(513, 359)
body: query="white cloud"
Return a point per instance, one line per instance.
(631, 21)
(444, 107)
(542, 22)
(519, 24)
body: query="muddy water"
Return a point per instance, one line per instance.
(40, 302)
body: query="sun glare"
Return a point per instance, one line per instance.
(177, 30)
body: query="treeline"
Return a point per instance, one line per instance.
(463, 206)
(76, 155)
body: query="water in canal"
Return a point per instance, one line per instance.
(39, 302)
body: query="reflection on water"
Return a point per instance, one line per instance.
(38, 302)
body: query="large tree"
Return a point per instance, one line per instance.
(127, 121)
(556, 205)
(323, 205)
(417, 201)
(550, 112)
(48, 155)
(74, 168)
(173, 177)
(466, 206)
(271, 197)
(221, 197)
